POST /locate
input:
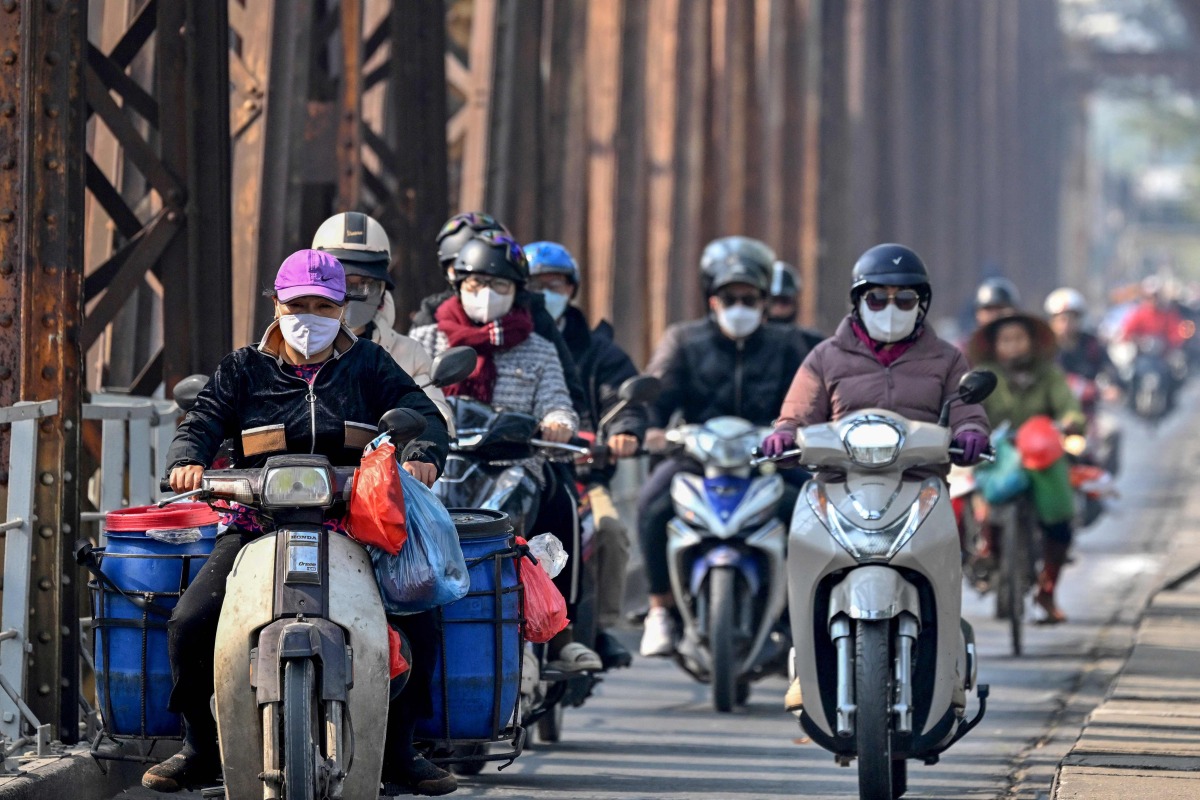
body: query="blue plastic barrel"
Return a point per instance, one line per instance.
(152, 555)
(475, 687)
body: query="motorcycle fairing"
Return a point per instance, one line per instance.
(724, 556)
(694, 503)
(354, 605)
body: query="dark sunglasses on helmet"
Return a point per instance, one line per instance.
(748, 299)
(905, 299)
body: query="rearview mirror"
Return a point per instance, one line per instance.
(403, 424)
(186, 391)
(452, 366)
(640, 389)
(976, 386)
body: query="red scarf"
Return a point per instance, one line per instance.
(497, 336)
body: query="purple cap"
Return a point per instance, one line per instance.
(310, 272)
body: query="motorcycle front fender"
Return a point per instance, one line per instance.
(874, 592)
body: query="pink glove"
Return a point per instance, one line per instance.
(778, 443)
(972, 444)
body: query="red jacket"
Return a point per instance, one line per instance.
(1150, 321)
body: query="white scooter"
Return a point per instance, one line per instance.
(301, 660)
(884, 658)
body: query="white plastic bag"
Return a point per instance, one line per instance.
(548, 551)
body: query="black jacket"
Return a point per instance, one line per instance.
(706, 374)
(544, 326)
(603, 367)
(261, 405)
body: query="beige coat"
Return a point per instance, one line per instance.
(409, 354)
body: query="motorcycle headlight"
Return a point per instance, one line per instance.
(873, 443)
(301, 487)
(873, 545)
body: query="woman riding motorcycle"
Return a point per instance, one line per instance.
(517, 371)
(310, 386)
(883, 355)
(1020, 350)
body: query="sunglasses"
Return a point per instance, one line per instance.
(729, 299)
(905, 299)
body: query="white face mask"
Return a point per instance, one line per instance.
(309, 334)
(738, 322)
(486, 305)
(556, 304)
(889, 325)
(360, 312)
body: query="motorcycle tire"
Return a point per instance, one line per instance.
(873, 720)
(722, 626)
(549, 727)
(899, 778)
(469, 767)
(1014, 574)
(299, 740)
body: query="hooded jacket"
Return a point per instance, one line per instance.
(255, 400)
(706, 374)
(410, 355)
(543, 325)
(842, 375)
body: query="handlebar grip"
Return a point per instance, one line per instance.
(164, 485)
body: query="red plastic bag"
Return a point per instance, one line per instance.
(1040, 443)
(397, 663)
(376, 514)
(545, 607)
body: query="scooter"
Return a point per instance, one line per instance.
(725, 555)
(883, 655)
(301, 660)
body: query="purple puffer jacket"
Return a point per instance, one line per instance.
(843, 375)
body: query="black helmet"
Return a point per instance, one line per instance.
(890, 265)
(492, 253)
(785, 281)
(997, 293)
(459, 230)
(720, 254)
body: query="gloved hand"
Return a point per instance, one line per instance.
(778, 443)
(972, 444)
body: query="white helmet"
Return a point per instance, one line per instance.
(1065, 300)
(358, 241)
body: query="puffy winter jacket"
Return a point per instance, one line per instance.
(410, 355)
(543, 325)
(706, 374)
(842, 375)
(256, 400)
(1040, 389)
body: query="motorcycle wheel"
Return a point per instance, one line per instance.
(722, 619)
(549, 727)
(299, 750)
(1013, 573)
(873, 721)
(470, 767)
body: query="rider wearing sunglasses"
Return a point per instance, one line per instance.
(883, 355)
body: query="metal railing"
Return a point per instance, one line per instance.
(135, 435)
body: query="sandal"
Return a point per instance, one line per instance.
(575, 657)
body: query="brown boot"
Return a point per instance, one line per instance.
(1054, 555)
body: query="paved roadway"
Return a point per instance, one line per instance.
(650, 731)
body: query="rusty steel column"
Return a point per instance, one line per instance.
(41, 283)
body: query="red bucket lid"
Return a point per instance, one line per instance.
(148, 518)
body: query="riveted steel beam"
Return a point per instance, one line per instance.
(41, 282)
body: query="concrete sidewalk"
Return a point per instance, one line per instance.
(1144, 739)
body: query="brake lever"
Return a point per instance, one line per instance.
(786, 455)
(198, 493)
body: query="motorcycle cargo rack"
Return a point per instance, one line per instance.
(445, 751)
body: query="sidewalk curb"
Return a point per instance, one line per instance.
(76, 775)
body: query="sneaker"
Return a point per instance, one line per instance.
(658, 634)
(419, 776)
(794, 699)
(186, 769)
(575, 657)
